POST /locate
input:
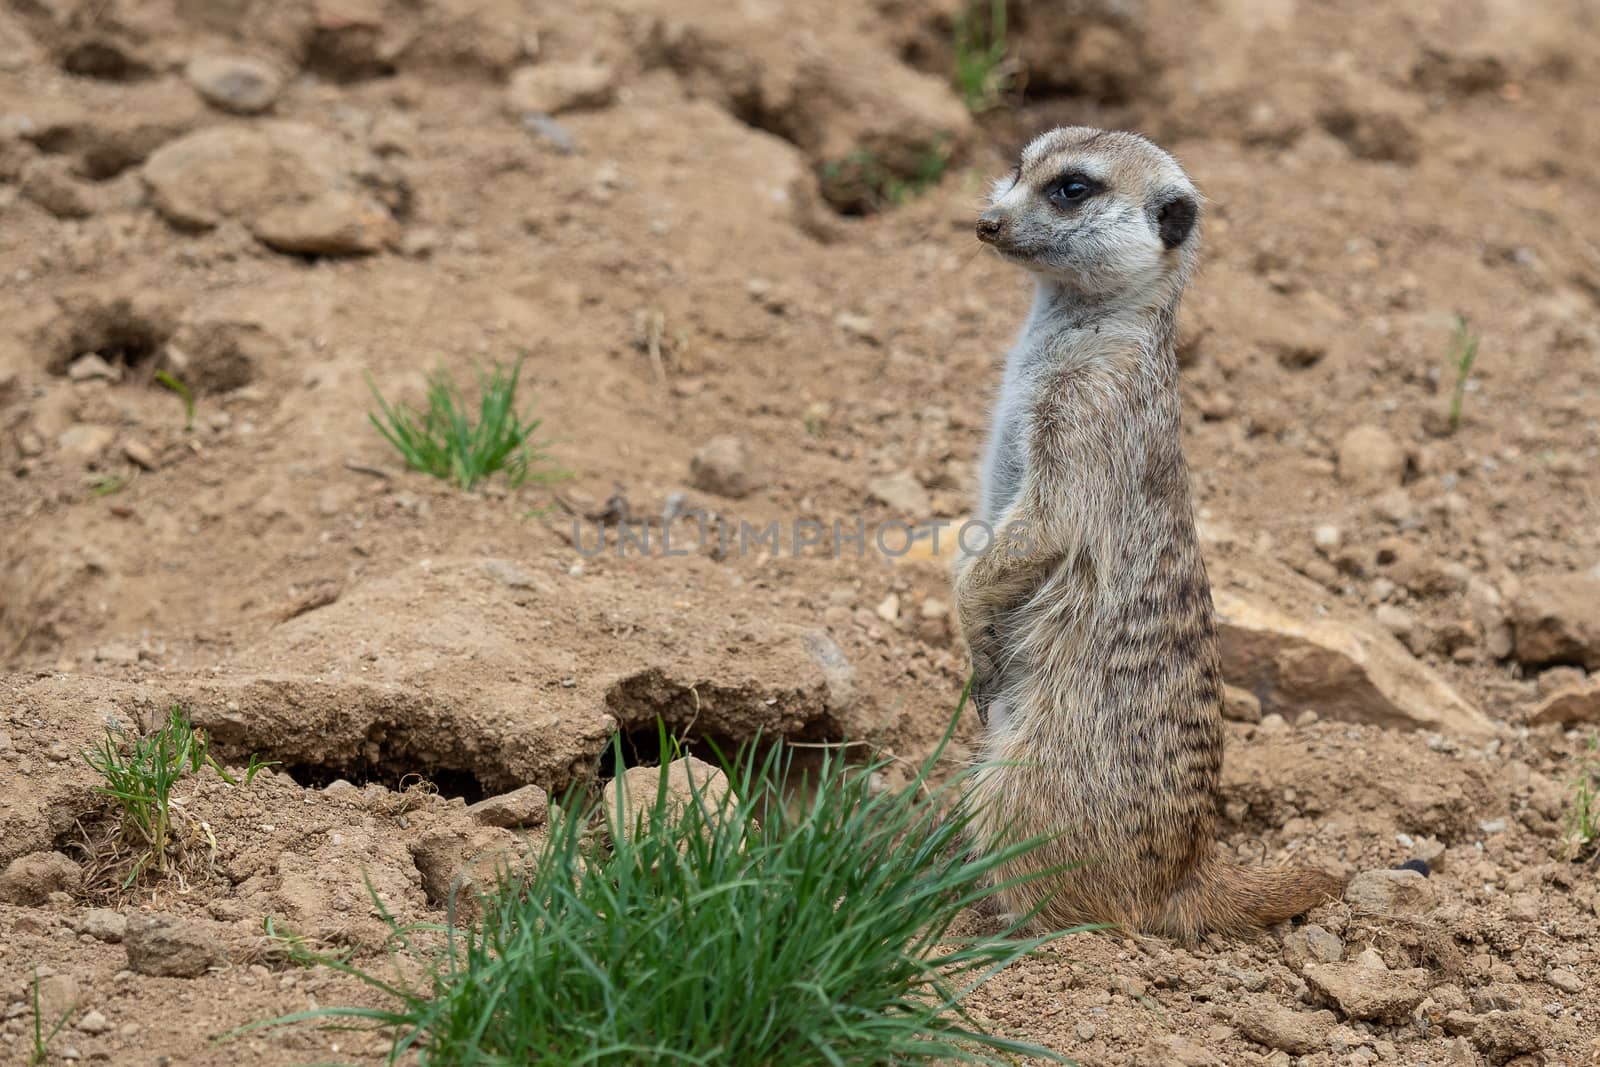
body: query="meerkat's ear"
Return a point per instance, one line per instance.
(1175, 214)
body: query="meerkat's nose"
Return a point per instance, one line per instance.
(989, 225)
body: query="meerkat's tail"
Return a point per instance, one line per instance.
(1230, 898)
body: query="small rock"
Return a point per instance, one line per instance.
(1359, 992)
(1312, 944)
(1371, 959)
(552, 88)
(527, 806)
(1298, 1033)
(509, 574)
(92, 1022)
(30, 879)
(1084, 1031)
(166, 946)
(90, 367)
(889, 608)
(721, 467)
(858, 326)
(1368, 456)
(1170, 1050)
(1555, 620)
(1240, 705)
(237, 84)
(52, 185)
(837, 672)
(903, 493)
(103, 924)
(687, 778)
(1346, 671)
(1565, 980)
(334, 224)
(1577, 704)
(1396, 893)
(140, 454)
(85, 443)
(1504, 1035)
(1328, 539)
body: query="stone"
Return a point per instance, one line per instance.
(1171, 1050)
(1361, 992)
(554, 87)
(1327, 539)
(51, 184)
(1574, 704)
(526, 806)
(92, 367)
(722, 467)
(103, 924)
(140, 454)
(85, 442)
(1311, 944)
(1565, 980)
(294, 187)
(1555, 619)
(1342, 670)
(93, 1022)
(1503, 1035)
(239, 85)
(457, 866)
(1296, 1032)
(637, 789)
(335, 224)
(166, 946)
(31, 878)
(903, 493)
(1391, 892)
(1240, 705)
(839, 675)
(1370, 457)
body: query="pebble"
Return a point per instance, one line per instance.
(236, 84)
(93, 1022)
(903, 493)
(1565, 980)
(140, 454)
(1328, 539)
(722, 467)
(1085, 1031)
(552, 88)
(1369, 456)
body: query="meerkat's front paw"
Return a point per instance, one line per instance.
(982, 646)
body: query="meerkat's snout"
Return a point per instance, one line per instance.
(990, 224)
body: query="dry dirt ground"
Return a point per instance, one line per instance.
(704, 225)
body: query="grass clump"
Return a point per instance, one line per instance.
(443, 440)
(1582, 837)
(983, 74)
(141, 773)
(173, 382)
(1463, 354)
(39, 1054)
(721, 928)
(862, 182)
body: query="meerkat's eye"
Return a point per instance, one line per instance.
(1070, 189)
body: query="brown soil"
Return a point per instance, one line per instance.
(708, 241)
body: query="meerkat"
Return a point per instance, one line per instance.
(1088, 614)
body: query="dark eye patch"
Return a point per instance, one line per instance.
(1072, 188)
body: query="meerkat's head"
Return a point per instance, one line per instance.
(1103, 213)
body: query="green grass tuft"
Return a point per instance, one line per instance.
(445, 442)
(1463, 354)
(176, 384)
(1583, 813)
(140, 776)
(39, 1054)
(983, 74)
(739, 930)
